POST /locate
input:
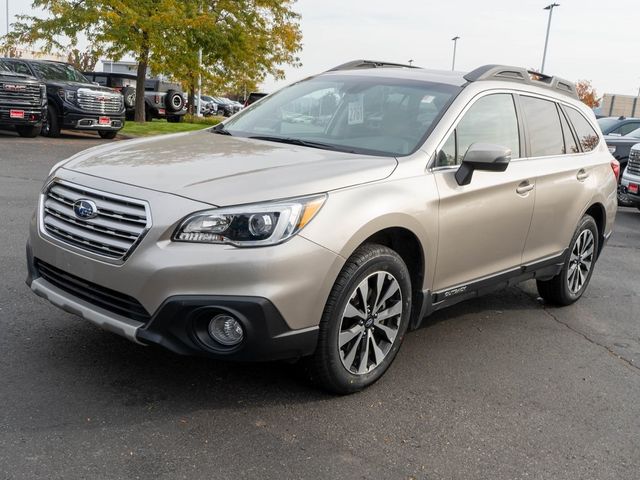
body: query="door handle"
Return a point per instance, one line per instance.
(524, 187)
(582, 175)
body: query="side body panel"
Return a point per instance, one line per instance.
(483, 226)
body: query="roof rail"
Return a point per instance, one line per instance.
(355, 64)
(522, 75)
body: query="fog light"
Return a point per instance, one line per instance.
(226, 330)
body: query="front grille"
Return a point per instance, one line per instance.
(119, 225)
(102, 297)
(633, 165)
(31, 95)
(99, 102)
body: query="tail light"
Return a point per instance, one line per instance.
(615, 166)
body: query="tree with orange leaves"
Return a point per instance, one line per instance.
(587, 93)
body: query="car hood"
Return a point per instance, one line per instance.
(69, 85)
(4, 76)
(617, 140)
(223, 170)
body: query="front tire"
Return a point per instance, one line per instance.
(28, 131)
(364, 321)
(569, 285)
(51, 127)
(107, 134)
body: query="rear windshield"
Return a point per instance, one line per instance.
(58, 71)
(360, 114)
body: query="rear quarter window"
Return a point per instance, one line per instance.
(587, 135)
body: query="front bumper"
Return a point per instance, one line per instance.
(75, 118)
(278, 293)
(180, 324)
(91, 121)
(32, 116)
(628, 178)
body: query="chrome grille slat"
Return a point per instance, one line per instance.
(138, 221)
(30, 96)
(103, 203)
(99, 102)
(633, 165)
(114, 232)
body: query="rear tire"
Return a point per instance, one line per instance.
(569, 285)
(51, 128)
(28, 131)
(107, 134)
(364, 321)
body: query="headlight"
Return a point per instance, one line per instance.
(68, 95)
(612, 150)
(254, 225)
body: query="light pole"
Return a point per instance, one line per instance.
(546, 40)
(7, 12)
(455, 44)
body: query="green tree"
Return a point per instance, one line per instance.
(165, 35)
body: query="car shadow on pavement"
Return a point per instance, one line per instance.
(69, 135)
(87, 367)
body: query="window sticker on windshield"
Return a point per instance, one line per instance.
(356, 111)
(428, 99)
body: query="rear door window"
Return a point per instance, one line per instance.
(587, 136)
(626, 128)
(100, 80)
(543, 127)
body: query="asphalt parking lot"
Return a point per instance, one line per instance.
(497, 388)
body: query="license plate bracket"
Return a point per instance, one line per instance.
(633, 188)
(104, 121)
(16, 114)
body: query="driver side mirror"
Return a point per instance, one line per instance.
(482, 156)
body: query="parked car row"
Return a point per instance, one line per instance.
(73, 102)
(43, 97)
(218, 106)
(162, 99)
(622, 135)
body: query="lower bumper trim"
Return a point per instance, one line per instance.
(122, 326)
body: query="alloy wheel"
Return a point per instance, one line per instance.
(580, 261)
(370, 323)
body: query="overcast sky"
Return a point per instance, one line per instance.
(594, 40)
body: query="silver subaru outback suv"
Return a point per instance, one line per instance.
(330, 218)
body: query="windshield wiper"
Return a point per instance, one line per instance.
(304, 143)
(220, 130)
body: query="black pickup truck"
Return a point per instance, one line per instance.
(23, 102)
(73, 101)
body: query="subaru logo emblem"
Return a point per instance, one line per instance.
(85, 209)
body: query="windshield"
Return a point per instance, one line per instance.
(606, 124)
(3, 68)
(361, 114)
(634, 133)
(58, 71)
(207, 98)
